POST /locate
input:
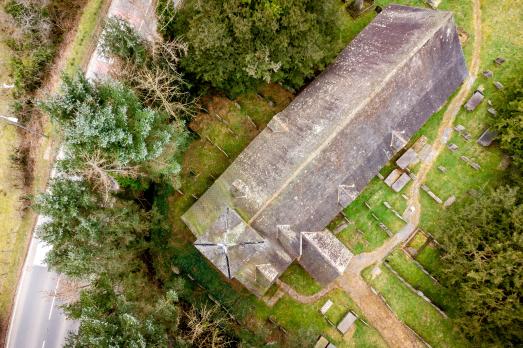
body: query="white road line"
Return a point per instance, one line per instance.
(54, 298)
(43, 344)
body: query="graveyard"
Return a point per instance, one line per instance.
(406, 280)
(249, 177)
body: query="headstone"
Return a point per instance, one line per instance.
(488, 74)
(446, 135)
(401, 182)
(381, 177)
(499, 60)
(409, 157)
(326, 306)
(498, 85)
(466, 135)
(346, 323)
(489, 102)
(474, 101)
(393, 176)
(426, 153)
(449, 201)
(481, 89)
(492, 111)
(322, 342)
(453, 147)
(433, 3)
(442, 169)
(487, 137)
(420, 143)
(459, 128)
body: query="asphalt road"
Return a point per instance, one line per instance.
(38, 320)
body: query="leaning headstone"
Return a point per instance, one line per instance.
(434, 197)
(474, 101)
(489, 102)
(392, 177)
(449, 201)
(488, 74)
(487, 137)
(409, 157)
(453, 147)
(381, 177)
(401, 182)
(492, 111)
(442, 169)
(498, 85)
(499, 60)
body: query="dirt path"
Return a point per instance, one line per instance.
(449, 116)
(395, 333)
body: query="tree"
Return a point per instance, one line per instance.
(151, 69)
(110, 318)
(108, 117)
(510, 124)
(482, 263)
(236, 44)
(89, 237)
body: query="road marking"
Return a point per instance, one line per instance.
(54, 298)
(43, 344)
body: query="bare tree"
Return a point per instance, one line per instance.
(205, 327)
(100, 172)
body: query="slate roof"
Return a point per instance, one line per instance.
(317, 155)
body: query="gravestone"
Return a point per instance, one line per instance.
(449, 201)
(498, 85)
(492, 111)
(488, 74)
(393, 176)
(442, 169)
(401, 182)
(499, 60)
(408, 158)
(474, 101)
(433, 3)
(453, 147)
(326, 306)
(487, 137)
(459, 128)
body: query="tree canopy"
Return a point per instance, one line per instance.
(510, 124)
(108, 117)
(236, 44)
(482, 263)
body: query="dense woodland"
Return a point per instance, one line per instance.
(123, 143)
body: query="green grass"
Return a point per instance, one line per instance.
(300, 280)
(407, 269)
(416, 312)
(84, 41)
(500, 38)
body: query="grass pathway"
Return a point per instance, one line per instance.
(395, 333)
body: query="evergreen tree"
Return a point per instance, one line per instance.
(483, 262)
(108, 117)
(236, 44)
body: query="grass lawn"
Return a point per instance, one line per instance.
(88, 26)
(12, 241)
(415, 312)
(408, 270)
